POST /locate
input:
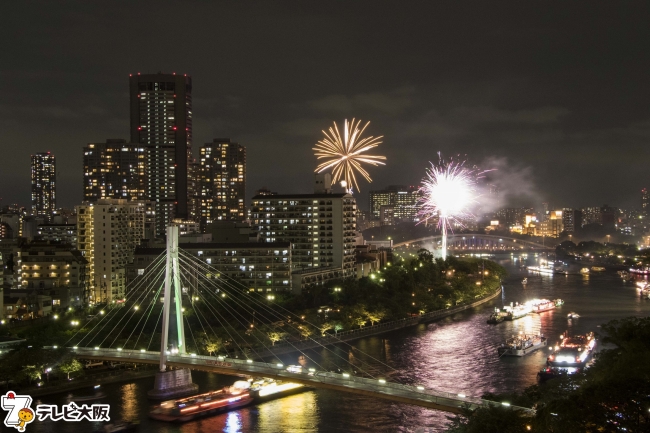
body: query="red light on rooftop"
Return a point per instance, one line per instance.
(174, 128)
(130, 75)
(138, 73)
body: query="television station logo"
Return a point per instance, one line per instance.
(20, 412)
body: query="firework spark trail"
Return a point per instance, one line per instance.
(448, 190)
(345, 153)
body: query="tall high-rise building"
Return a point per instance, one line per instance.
(43, 184)
(320, 227)
(223, 181)
(645, 201)
(114, 170)
(571, 219)
(161, 119)
(107, 233)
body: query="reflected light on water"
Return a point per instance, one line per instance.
(233, 423)
(130, 406)
(294, 413)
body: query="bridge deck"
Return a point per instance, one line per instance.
(415, 395)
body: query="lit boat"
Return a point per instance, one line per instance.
(516, 312)
(642, 270)
(573, 351)
(597, 269)
(210, 403)
(540, 305)
(584, 270)
(558, 302)
(497, 317)
(542, 269)
(641, 285)
(573, 315)
(524, 281)
(268, 389)
(522, 344)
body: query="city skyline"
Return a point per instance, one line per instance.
(470, 88)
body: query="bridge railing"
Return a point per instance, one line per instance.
(248, 366)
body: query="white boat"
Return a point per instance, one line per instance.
(524, 281)
(542, 269)
(522, 344)
(584, 270)
(572, 315)
(540, 305)
(517, 311)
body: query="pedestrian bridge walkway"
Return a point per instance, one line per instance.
(378, 388)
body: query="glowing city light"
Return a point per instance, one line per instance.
(447, 192)
(344, 154)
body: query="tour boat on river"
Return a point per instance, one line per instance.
(240, 394)
(516, 312)
(573, 351)
(210, 403)
(521, 345)
(541, 305)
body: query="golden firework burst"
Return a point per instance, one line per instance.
(345, 154)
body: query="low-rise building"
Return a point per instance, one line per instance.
(26, 304)
(63, 233)
(55, 270)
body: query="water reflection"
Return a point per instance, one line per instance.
(233, 423)
(456, 354)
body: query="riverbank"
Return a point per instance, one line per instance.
(89, 381)
(346, 336)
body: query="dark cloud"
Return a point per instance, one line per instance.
(559, 90)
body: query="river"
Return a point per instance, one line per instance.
(457, 354)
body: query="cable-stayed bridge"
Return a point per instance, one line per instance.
(181, 311)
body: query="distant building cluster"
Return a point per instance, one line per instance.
(53, 258)
(133, 189)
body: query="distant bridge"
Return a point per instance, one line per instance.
(378, 388)
(467, 242)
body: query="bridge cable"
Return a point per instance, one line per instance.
(277, 316)
(237, 320)
(215, 310)
(133, 312)
(235, 298)
(142, 294)
(265, 306)
(136, 283)
(149, 310)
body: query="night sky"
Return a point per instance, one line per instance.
(556, 95)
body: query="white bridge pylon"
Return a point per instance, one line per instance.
(172, 279)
